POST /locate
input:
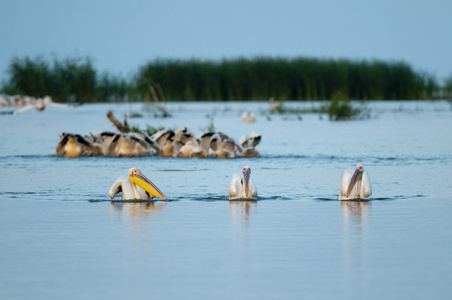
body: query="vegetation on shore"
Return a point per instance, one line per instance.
(336, 109)
(75, 79)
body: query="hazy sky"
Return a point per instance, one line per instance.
(120, 36)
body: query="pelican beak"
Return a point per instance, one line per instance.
(246, 182)
(353, 181)
(144, 183)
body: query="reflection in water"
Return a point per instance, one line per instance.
(354, 220)
(136, 211)
(241, 210)
(355, 212)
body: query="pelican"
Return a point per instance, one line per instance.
(101, 141)
(40, 105)
(249, 116)
(248, 144)
(197, 151)
(242, 188)
(167, 149)
(152, 144)
(162, 136)
(145, 190)
(250, 141)
(272, 105)
(191, 149)
(222, 148)
(355, 184)
(73, 145)
(128, 144)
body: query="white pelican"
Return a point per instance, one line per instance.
(222, 148)
(272, 105)
(242, 188)
(197, 151)
(185, 150)
(40, 105)
(145, 190)
(248, 144)
(74, 145)
(101, 141)
(250, 141)
(249, 152)
(152, 145)
(249, 116)
(162, 136)
(167, 149)
(355, 184)
(128, 144)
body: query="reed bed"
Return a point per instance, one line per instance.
(75, 79)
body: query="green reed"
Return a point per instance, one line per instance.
(301, 78)
(289, 79)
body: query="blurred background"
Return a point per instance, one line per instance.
(87, 51)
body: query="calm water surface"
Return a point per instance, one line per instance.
(62, 238)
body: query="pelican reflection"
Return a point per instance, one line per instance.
(355, 212)
(136, 211)
(354, 220)
(241, 210)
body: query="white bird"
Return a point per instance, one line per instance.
(355, 184)
(145, 190)
(249, 116)
(272, 105)
(74, 145)
(128, 144)
(248, 145)
(242, 188)
(222, 148)
(40, 105)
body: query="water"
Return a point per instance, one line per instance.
(62, 237)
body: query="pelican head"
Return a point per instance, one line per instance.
(359, 170)
(136, 177)
(246, 181)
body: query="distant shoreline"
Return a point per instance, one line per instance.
(241, 79)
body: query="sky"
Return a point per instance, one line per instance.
(121, 36)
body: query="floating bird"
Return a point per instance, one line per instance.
(355, 184)
(167, 149)
(101, 141)
(128, 144)
(145, 190)
(242, 188)
(162, 136)
(250, 141)
(73, 145)
(197, 151)
(248, 145)
(186, 149)
(272, 105)
(222, 148)
(249, 116)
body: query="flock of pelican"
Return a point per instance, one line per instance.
(355, 185)
(178, 143)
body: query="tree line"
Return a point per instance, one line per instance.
(76, 79)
